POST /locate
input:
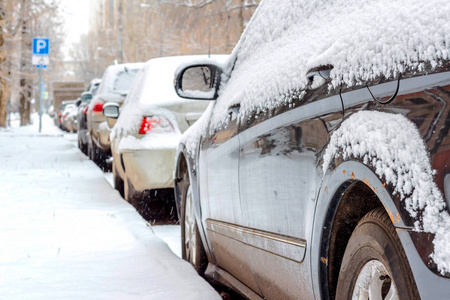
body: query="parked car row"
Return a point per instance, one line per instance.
(313, 162)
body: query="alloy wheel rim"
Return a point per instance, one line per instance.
(190, 228)
(374, 283)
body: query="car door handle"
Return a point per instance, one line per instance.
(234, 109)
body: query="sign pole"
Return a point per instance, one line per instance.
(40, 58)
(40, 99)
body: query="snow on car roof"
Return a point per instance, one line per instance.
(362, 40)
(118, 78)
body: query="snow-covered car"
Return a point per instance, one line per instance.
(83, 105)
(115, 85)
(321, 170)
(69, 117)
(145, 137)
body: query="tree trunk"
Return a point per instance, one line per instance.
(25, 64)
(2, 81)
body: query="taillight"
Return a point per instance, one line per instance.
(98, 107)
(155, 124)
(85, 109)
(59, 113)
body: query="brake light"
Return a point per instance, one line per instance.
(98, 107)
(156, 125)
(59, 113)
(85, 109)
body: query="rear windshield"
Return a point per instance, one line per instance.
(123, 80)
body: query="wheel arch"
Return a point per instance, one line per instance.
(339, 209)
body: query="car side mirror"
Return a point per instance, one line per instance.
(201, 81)
(111, 110)
(86, 96)
(78, 102)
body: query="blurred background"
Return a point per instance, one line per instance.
(86, 36)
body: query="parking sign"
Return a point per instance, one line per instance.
(40, 46)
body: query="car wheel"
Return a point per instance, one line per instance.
(374, 265)
(98, 156)
(192, 247)
(82, 146)
(118, 182)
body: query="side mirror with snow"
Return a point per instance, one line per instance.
(200, 81)
(111, 112)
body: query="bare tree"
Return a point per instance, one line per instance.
(23, 20)
(154, 28)
(3, 101)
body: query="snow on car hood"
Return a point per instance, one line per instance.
(403, 161)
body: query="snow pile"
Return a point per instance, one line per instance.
(402, 160)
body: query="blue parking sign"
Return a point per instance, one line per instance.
(40, 46)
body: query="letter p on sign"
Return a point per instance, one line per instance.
(40, 46)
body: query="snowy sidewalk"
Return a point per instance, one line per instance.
(66, 234)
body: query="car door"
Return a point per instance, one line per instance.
(278, 181)
(220, 202)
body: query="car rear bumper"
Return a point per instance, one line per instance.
(149, 168)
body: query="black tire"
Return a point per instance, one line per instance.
(374, 245)
(118, 182)
(191, 244)
(98, 156)
(81, 146)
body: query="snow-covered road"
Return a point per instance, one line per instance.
(65, 233)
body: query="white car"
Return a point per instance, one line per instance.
(146, 135)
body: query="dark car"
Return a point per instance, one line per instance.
(83, 105)
(321, 170)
